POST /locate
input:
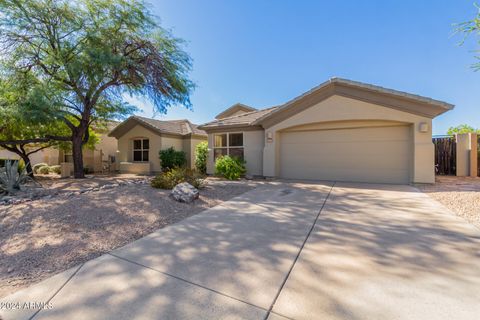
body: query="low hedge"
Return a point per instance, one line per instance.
(170, 178)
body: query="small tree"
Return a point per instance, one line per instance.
(170, 158)
(463, 128)
(201, 155)
(470, 27)
(90, 53)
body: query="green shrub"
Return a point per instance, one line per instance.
(170, 178)
(44, 170)
(37, 166)
(55, 169)
(201, 154)
(170, 158)
(231, 168)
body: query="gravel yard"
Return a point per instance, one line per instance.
(459, 194)
(43, 237)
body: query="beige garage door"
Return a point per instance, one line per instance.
(373, 154)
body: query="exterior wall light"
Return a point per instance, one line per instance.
(423, 127)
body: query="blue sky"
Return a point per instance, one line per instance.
(264, 53)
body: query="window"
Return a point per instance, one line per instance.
(140, 150)
(228, 144)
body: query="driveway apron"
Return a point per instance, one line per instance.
(385, 252)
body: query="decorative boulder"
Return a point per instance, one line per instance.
(185, 192)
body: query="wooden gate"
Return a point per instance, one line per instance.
(445, 155)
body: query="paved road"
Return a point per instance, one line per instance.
(284, 251)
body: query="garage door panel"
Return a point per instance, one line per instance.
(400, 133)
(361, 154)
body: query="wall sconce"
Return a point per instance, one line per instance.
(269, 137)
(423, 127)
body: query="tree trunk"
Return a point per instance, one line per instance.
(23, 155)
(28, 164)
(77, 144)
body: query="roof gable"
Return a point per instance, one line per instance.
(238, 107)
(173, 127)
(241, 120)
(389, 98)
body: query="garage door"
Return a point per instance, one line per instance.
(372, 154)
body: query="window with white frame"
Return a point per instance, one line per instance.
(228, 144)
(140, 150)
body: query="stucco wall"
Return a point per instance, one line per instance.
(157, 143)
(253, 142)
(338, 108)
(125, 146)
(49, 156)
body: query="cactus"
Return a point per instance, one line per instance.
(11, 180)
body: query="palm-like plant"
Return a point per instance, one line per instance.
(11, 179)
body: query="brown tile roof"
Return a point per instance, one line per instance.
(256, 118)
(244, 119)
(236, 107)
(176, 127)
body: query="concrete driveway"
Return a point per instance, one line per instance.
(283, 251)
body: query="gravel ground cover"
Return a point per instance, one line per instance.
(459, 194)
(43, 237)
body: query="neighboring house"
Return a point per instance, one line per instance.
(341, 130)
(96, 160)
(140, 140)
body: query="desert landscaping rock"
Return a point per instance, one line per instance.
(43, 237)
(185, 192)
(35, 193)
(460, 194)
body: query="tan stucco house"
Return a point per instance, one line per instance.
(140, 140)
(341, 130)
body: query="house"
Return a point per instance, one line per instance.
(140, 140)
(95, 160)
(341, 130)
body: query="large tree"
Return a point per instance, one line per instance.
(91, 53)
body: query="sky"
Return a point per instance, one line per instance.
(264, 53)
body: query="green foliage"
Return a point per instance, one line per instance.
(463, 128)
(470, 27)
(231, 168)
(201, 154)
(37, 166)
(44, 170)
(16, 123)
(21, 165)
(85, 55)
(11, 179)
(170, 178)
(102, 48)
(170, 158)
(55, 169)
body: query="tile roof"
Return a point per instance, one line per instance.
(256, 117)
(177, 127)
(239, 120)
